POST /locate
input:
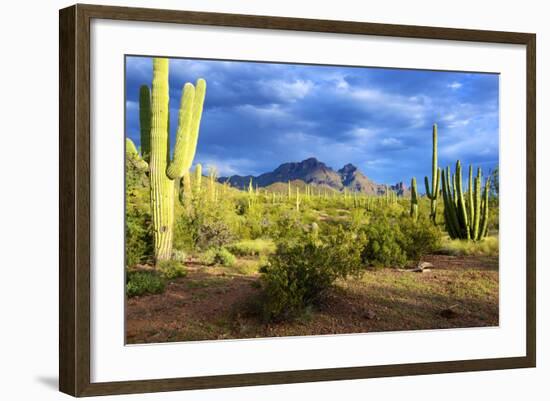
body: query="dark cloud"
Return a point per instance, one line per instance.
(259, 115)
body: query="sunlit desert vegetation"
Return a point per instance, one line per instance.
(208, 260)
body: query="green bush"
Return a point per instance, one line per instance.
(171, 269)
(298, 274)
(383, 245)
(214, 234)
(138, 231)
(224, 257)
(419, 237)
(218, 256)
(179, 255)
(392, 240)
(257, 247)
(139, 238)
(143, 282)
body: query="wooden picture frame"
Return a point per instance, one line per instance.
(74, 199)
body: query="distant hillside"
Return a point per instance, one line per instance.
(312, 171)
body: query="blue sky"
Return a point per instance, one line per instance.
(259, 115)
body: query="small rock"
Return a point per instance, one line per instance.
(448, 313)
(419, 270)
(424, 265)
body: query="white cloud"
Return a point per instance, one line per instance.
(287, 91)
(413, 108)
(391, 142)
(131, 105)
(263, 112)
(482, 143)
(361, 133)
(454, 85)
(226, 167)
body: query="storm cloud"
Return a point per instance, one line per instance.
(259, 115)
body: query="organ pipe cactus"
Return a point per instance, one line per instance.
(465, 220)
(414, 200)
(154, 116)
(433, 194)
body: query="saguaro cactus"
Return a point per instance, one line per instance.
(198, 178)
(433, 194)
(289, 191)
(162, 170)
(414, 200)
(465, 220)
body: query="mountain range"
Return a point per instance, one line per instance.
(314, 172)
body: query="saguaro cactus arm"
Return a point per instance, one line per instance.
(414, 200)
(132, 154)
(145, 121)
(189, 119)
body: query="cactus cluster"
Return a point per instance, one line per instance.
(465, 219)
(155, 148)
(433, 194)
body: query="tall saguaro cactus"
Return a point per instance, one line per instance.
(465, 220)
(198, 178)
(414, 200)
(154, 116)
(433, 195)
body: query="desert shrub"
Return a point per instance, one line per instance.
(488, 246)
(138, 232)
(179, 255)
(255, 247)
(286, 225)
(298, 274)
(383, 245)
(139, 237)
(256, 222)
(224, 257)
(185, 232)
(214, 233)
(144, 282)
(217, 256)
(419, 237)
(171, 269)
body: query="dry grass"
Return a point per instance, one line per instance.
(486, 247)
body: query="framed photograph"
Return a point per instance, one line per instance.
(249, 200)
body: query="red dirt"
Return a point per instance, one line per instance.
(209, 304)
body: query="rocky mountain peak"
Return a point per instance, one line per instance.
(314, 172)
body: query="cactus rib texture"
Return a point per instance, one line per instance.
(466, 217)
